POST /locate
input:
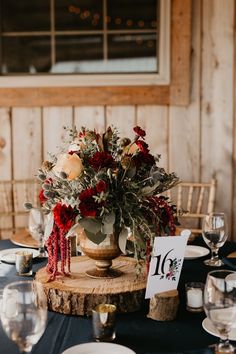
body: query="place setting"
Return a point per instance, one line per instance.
(103, 333)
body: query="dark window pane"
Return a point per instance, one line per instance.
(78, 15)
(78, 53)
(133, 52)
(130, 14)
(25, 15)
(26, 54)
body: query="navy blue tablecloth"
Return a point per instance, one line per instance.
(134, 330)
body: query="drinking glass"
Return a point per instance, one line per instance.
(214, 232)
(24, 313)
(220, 305)
(36, 229)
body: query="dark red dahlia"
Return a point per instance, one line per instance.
(88, 206)
(143, 158)
(139, 131)
(101, 186)
(164, 213)
(64, 216)
(142, 146)
(88, 209)
(101, 159)
(87, 194)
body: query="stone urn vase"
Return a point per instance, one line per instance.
(103, 254)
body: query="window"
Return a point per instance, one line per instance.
(42, 89)
(96, 40)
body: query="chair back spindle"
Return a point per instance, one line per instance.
(196, 199)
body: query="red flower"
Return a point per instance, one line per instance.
(63, 216)
(142, 146)
(88, 206)
(42, 197)
(139, 131)
(101, 186)
(87, 194)
(143, 158)
(101, 159)
(165, 213)
(88, 209)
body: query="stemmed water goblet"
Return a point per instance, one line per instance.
(215, 233)
(36, 229)
(24, 313)
(220, 305)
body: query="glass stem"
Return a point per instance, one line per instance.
(214, 254)
(224, 345)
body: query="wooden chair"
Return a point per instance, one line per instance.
(196, 199)
(13, 195)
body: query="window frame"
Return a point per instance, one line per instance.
(174, 92)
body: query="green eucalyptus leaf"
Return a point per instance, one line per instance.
(109, 218)
(72, 230)
(90, 225)
(131, 172)
(123, 239)
(107, 228)
(96, 238)
(146, 191)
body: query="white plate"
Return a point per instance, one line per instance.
(193, 252)
(98, 348)
(8, 255)
(209, 327)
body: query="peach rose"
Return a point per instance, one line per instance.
(70, 164)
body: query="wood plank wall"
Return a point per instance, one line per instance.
(195, 141)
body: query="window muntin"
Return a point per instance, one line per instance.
(92, 38)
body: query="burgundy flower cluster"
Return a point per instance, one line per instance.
(101, 159)
(104, 177)
(88, 206)
(164, 211)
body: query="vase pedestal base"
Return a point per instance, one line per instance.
(78, 293)
(104, 274)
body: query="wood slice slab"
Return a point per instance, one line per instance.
(78, 294)
(164, 306)
(23, 238)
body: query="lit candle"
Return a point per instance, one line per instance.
(194, 298)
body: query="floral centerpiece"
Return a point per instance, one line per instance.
(104, 183)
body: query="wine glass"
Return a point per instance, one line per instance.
(214, 232)
(36, 229)
(24, 313)
(220, 305)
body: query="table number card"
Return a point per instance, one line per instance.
(166, 264)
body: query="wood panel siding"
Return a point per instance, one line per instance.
(197, 140)
(217, 98)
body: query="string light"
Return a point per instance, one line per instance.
(129, 23)
(150, 44)
(74, 9)
(94, 23)
(141, 23)
(118, 21)
(96, 16)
